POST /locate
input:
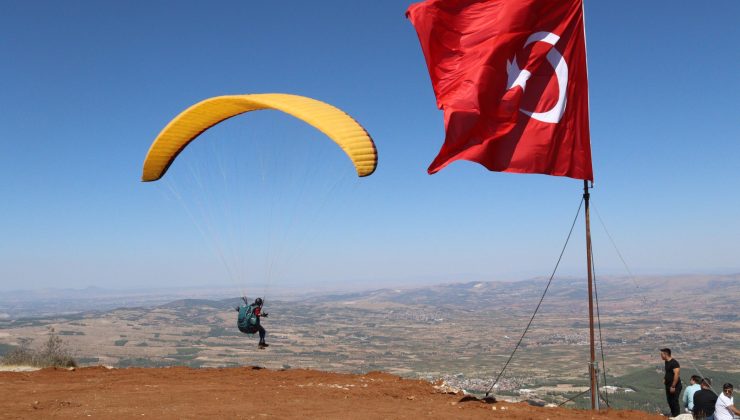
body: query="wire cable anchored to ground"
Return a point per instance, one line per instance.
(540, 302)
(643, 298)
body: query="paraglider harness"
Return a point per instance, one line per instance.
(248, 322)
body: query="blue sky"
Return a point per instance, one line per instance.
(86, 86)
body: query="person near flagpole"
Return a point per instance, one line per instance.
(672, 381)
(724, 408)
(688, 394)
(704, 401)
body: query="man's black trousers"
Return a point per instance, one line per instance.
(673, 399)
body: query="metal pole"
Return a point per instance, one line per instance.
(592, 360)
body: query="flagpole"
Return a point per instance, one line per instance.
(592, 360)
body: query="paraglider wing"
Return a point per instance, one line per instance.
(335, 123)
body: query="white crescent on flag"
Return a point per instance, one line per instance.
(517, 77)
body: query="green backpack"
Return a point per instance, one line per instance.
(247, 321)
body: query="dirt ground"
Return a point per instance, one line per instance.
(250, 393)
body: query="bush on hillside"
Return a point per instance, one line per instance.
(53, 353)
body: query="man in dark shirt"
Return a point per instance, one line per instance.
(672, 381)
(257, 305)
(704, 400)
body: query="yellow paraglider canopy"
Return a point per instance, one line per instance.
(335, 123)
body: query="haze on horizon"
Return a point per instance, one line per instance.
(87, 86)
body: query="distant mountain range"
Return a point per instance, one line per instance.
(473, 295)
(477, 294)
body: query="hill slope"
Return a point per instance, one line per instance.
(250, 393)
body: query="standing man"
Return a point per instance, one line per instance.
(672, 381)
(725, 409)
(704, 401)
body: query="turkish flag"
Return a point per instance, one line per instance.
(510, 76)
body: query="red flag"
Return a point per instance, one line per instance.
(510, 76)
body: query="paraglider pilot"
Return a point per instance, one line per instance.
(257, 305)
(249, 317)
